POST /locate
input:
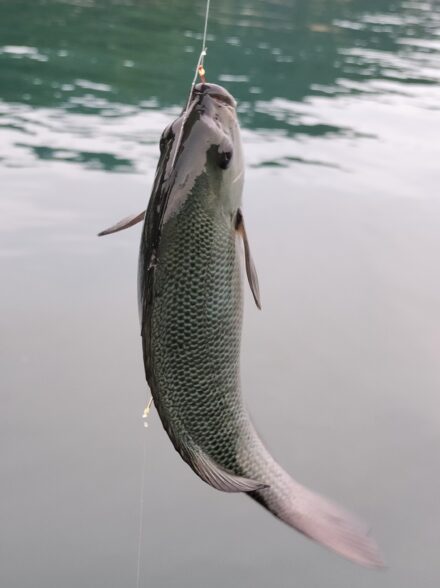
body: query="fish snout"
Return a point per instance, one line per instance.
(206, 93)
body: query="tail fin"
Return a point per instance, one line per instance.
(325, 522)
(311, 514)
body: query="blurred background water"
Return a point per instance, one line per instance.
(339, 104)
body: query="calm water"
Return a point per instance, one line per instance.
(340, 109)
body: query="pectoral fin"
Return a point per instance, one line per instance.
(218, 477)
(125, 223)
(250, 266)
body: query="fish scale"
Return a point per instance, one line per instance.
(196, 329)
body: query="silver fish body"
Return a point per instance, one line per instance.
(191, 309)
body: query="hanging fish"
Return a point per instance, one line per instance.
(191, 309)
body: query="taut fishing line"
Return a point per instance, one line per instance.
(199, 67)
(200, 71)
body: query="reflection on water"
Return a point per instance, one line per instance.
(94, 86)
(339, 104)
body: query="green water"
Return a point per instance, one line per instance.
(98, 72)
(339, 102)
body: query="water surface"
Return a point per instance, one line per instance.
(339, 105)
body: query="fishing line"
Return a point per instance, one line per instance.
(200, 63)
(199, 68)
(142, 493)
(200, 71)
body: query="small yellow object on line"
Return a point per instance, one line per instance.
(147, 412)
(202, 73)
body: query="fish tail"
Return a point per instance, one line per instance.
(315, 516)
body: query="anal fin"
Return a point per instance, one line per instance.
(216, 476)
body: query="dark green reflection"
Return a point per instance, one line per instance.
(95, 56)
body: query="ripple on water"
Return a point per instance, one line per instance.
(298, 79)
(23, 52)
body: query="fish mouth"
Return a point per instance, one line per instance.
(213, 91)
(208, 112)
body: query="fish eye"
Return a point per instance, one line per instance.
(224, 159)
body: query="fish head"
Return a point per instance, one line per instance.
(202, 149)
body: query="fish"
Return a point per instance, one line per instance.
(190, 294)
